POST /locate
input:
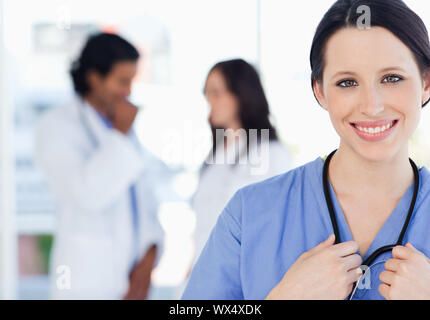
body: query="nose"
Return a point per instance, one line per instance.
(127, 91)
(371, 103)
(210, 101)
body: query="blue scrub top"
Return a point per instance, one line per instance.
(266, 226)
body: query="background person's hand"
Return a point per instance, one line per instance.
(122, 115)
(406, 275)
(327, 271)
(140, 277)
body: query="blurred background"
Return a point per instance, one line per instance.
(180, 41)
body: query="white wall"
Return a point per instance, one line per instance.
(8, 243)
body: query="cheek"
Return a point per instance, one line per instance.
(118, 89)
(340, 106)
(399, 97)
(405, 100)
(224, 106)
(113, 88)
(230, 105)
(107, 88)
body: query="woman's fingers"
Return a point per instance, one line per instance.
(392, 264)
(353, 275)
(352, 262)
(384, 290)
(387, 277)
(325, 244)
(345, 248)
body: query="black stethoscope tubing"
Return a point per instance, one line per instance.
(330, 206)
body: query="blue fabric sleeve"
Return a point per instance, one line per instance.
(216, 275)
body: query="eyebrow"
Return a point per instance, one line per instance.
(354, 74)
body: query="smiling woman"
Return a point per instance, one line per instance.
(274, 239)
(378, 88)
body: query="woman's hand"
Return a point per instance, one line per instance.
(327, 271)
(406, 275)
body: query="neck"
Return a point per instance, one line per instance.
(232, 136)
(96, 104)
(355, 176)
(235, 125)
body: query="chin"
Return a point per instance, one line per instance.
(377, 152)
(214, 123)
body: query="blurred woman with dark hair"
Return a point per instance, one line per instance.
(245, 147)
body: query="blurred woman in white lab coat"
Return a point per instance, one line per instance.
(238, 110)
(108, 237)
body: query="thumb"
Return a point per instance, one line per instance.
(410, 246)
(325, 244)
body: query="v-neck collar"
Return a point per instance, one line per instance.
(389, 232)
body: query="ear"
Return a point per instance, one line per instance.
(319, 93)
(426, 86)
(93, 79)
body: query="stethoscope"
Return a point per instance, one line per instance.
(330, 206)
(95, 142)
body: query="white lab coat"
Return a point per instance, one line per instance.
(90, 184)
(219, 182)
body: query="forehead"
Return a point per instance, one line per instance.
(215, 75)
(352, 49)
(124, 68)
(215, 78)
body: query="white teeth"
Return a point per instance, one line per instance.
(375, 130)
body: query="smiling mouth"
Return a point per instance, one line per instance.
(375, 129)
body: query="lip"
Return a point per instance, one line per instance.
(373, 124)
(374, 137)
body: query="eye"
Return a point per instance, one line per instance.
(392, 78)
(347, 83)
(388, 79)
